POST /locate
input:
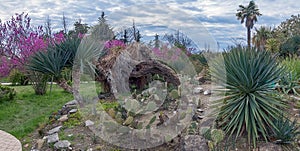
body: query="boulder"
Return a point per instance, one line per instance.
(52, 138)
(89, 123)
(40, 143)
(54, 130)
(73, 111)
(63, 118)
(62, 144)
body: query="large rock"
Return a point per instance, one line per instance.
(63, 118)
(195, 143)
(62, 144)
(89, 123)
(71, 103)
(40, 143)
(52, 138)
(54, 130)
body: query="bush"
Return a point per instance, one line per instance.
(6, 93)
(291, 65)
(39, 82)
(16, 77)
(290, 47)
(249, 105)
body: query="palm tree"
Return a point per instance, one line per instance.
(259, 39)
(248, 14)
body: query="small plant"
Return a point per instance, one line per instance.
(74, 120)
(285, 131)
(214, 137)
(6, 93)
(289, 83)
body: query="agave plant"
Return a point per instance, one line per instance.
(249, 105)
(52, 61)
(285, 131)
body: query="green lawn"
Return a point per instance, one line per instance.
(23, 115)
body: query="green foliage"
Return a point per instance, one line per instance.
(199, 61)
(109, 105)
(247, 78)
(74, 120)
(174, 94)
(17, 78)
(289, 82)
(292, 65)
(285, 131)
(290, 47)
(6, 93)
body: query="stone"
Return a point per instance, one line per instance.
(54, 130)
(73, 111)
(200, 110)
(90, 149)
(197, 90)
(63, 118)
(195, 143)
(40, 143)
(132, 105)
(207, 92)
(52, 138)
(128, 121)
(89, 123)
(62, 144)
(70, 103)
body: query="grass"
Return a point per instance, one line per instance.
(27, 111)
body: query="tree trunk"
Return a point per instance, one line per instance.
(249, 37)
(76, 83)
(63, 84)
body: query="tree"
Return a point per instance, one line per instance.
(64, 22)
(129, 35)
(79, 29)
(248, 15)
(18, 41)
(48, 26)
(259, 39)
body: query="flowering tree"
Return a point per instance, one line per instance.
(19, 40)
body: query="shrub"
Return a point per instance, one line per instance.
(292, 65)
(16, 77)
(39, 82)
(6, 93)
(249, 105)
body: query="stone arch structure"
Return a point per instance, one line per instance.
(135, 62)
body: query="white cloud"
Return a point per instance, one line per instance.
(211, 18)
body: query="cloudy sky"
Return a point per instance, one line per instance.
(208, 23)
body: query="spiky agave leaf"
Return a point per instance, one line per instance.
(247, 78)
